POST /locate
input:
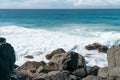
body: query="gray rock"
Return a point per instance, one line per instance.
(90, 77)
(72, 61)
(103, 72)
(58, 75)
(113, 56)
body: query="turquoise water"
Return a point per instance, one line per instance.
(38, 32)
(59, 18)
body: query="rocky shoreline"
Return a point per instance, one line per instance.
(70, 65)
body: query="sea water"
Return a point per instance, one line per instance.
(37, 32)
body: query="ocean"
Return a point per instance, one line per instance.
(39, 31)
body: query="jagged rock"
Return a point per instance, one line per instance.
(72, 61)
(91, 77)
(93, 70)
(58, 75)
(29, 57)
(80, 72)
(51, 66)
(7, 59)
(103, 72)
(58, 57)
(103, 49)
(97, 46)
(17, 75)
(58, 51)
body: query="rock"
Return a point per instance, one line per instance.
(51, 66)
(17, 75)
(91, 77)
(29, 57)
(7, 59)
(97, 46)
(31, 66)
(58, 58)
(90, 47)
(113, 57)
(72, 61)
(103, 49)
(58, 51)
(93, 70)
(103, 72)
(58, 75)
(80, 72)
(15, 66)
(114, 73)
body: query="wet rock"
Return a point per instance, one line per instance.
(29, 57)
(103, 49)
(7, 59)
(80, 72)
(93, 70)
(58, 51)
(72, 61)
(90, 47)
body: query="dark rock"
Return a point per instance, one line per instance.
(58, 51)
(72, 61)
(7, 59)
(93, 70)
(29, 57)
(17, 75)
(103, 49)
(90, 47)
(80, 72)
(97, 46)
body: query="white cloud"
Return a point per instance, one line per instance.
(59, 3)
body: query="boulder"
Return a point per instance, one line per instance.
(58, 58)
(113, 57)
(114, 74)
(7, 59)
(58, 75)
(90, 47)
(32, 66)
(29, 57)
(93, 70)
(103, 72)
(103, 49)
(97, 46)
(80, 72)
(17, 75)
(58, 51)
(91, 77)
(72, 61)
(51, 66)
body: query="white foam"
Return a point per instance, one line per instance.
(39, 42)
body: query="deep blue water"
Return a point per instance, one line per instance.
(57, 18)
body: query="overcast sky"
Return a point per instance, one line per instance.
(57, 4)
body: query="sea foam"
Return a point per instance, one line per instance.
(39, 42)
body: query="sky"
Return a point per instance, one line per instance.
(58, 4)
